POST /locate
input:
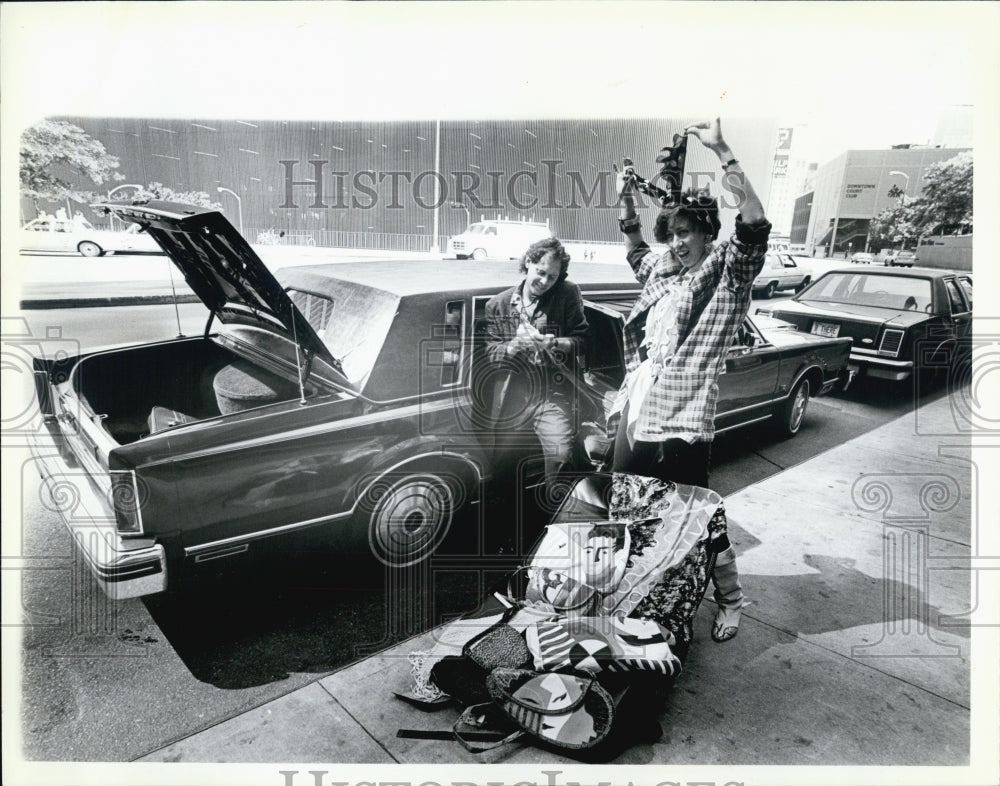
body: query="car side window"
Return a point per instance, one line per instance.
(956, 297)
(966, 283)
(451, 336)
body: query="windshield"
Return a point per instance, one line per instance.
(475, 229)
(899, 293)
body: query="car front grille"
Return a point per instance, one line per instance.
(891, 341)
(458, 245)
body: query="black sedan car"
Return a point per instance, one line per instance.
(344, 404)
(898, 320)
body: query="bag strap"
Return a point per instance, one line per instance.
(466, 738)
(589, 678)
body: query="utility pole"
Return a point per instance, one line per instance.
(435, 248)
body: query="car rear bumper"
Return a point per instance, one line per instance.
(883, 368)
(124, 568)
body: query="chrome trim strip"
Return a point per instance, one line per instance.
(729, 412)
(264, 533)
(222, 553)
(885, 362)
(284, 528)
(744, 423)
(309, 431)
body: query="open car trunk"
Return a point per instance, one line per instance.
(146, 390)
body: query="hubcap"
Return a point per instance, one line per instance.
(799, 406)
(410, 521)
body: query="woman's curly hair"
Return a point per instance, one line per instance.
(698, 206)
(540, 248)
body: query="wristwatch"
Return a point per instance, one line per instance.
(629, 225)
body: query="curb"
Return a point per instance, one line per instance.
(98, 302)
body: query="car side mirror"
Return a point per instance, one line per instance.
(750, 340)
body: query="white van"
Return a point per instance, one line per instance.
(497, 239)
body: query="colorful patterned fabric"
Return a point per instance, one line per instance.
(674, 599)
(575, 564)
(596, 644)
(712, 304)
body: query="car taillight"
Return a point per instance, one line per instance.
(127, 501)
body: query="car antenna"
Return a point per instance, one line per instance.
(177, 311)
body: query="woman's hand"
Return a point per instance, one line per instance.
(624, 184)
(709, 133)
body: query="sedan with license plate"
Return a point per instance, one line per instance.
(898, 320)
(339, 403)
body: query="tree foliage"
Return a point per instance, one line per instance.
(56, 156)
(160, 191)
(943, 207)
(894, 226)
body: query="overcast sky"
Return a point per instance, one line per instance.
(861, 75)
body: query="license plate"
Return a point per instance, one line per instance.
(827, 329)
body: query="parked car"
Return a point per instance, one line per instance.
(497, 239)
(347, 401)
(862, 257)
(902, 259)
(780, 272)
(898, 320)
(80, 236)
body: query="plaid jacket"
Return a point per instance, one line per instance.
(681, 403)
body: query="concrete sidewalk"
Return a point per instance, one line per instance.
(848, 655)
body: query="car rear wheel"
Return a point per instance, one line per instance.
(770, 289)
(89, 249)
(803, 285)
(411, 517)
(793, 411)
(479, 254)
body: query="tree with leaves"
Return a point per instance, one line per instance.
(943, 207)
(57, 157)
(160, 191)
(894, 227)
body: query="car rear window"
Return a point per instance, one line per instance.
(895, 292)
(351, 319)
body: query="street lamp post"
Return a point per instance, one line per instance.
(902, 198)
(239, 203)
(906, 183)
(111, 194)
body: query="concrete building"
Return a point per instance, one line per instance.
(856, 186)
(409, 185)
(791, 174)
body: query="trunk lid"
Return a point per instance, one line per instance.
(222, 269)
